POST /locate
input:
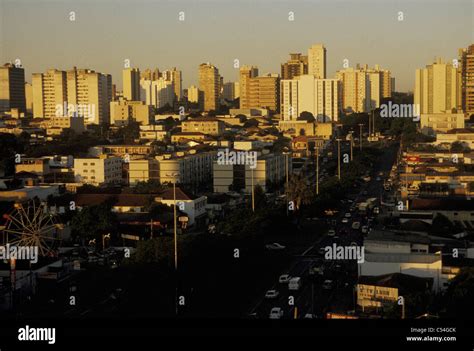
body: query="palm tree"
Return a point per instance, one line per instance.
(299, 191)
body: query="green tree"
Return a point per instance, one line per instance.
(251, 123)
(460, 295)
(457, 146)
(306, 116)
(299, 191)
(93, 221)
(152, 186)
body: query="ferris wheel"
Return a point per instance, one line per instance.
(32, 224)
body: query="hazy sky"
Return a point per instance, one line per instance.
(257, 32)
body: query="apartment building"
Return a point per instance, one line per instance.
(131, 84)
(49, 91)
(209, 84)
(98, 170)
(317, 61)
(320, 97)
(122, 112)
(438, 88)
(466, 57)
(12, 88)
(205, 125)
(296, 66)
(191, 168)
(86, 87)
(143, 171)
(433, 123)
(270, 169)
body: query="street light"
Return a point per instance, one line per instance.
(352, 144)
(316, 148)
(105, 236)
(253, 191)
(286, 152)
(360, 135)
(175, 238)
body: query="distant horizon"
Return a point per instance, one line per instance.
(256, 33)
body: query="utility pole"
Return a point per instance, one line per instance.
(373, 122)
(352, 146)
(338, 159)
(175, 229)
(360, 135)
(317, 170)
(253, 193)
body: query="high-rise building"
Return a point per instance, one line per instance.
(122, 112)
(306, 93)
(363, 88)
(467, 76)
(438, 88)
(149, 74)
(209, 83)
(12, 88)
(29, 98)
(193, 94)
(246, 73)
(175, 76)
(131, 84)
(231, 91)
(264, 92)
(355, 89)
(317, 61)
(90, 92)
(157, 93)
(297, 65)
(385, 81)
(49, 92)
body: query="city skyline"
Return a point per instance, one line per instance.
(141, 40)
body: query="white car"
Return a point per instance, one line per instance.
(345, 220)
(331, 232)
(284, 279)
(276, 313)
(271, 294)
(275, 246)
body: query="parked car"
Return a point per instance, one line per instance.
(294, 283)
(331, 232)
(345, 220)
(284, 279)
(317, 269)
(356, 225)
(365, 229)
(276, 313)
(275, 246)
(348, 215)
(328, 284)
(271, 294)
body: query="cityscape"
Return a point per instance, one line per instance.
(237, 187)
